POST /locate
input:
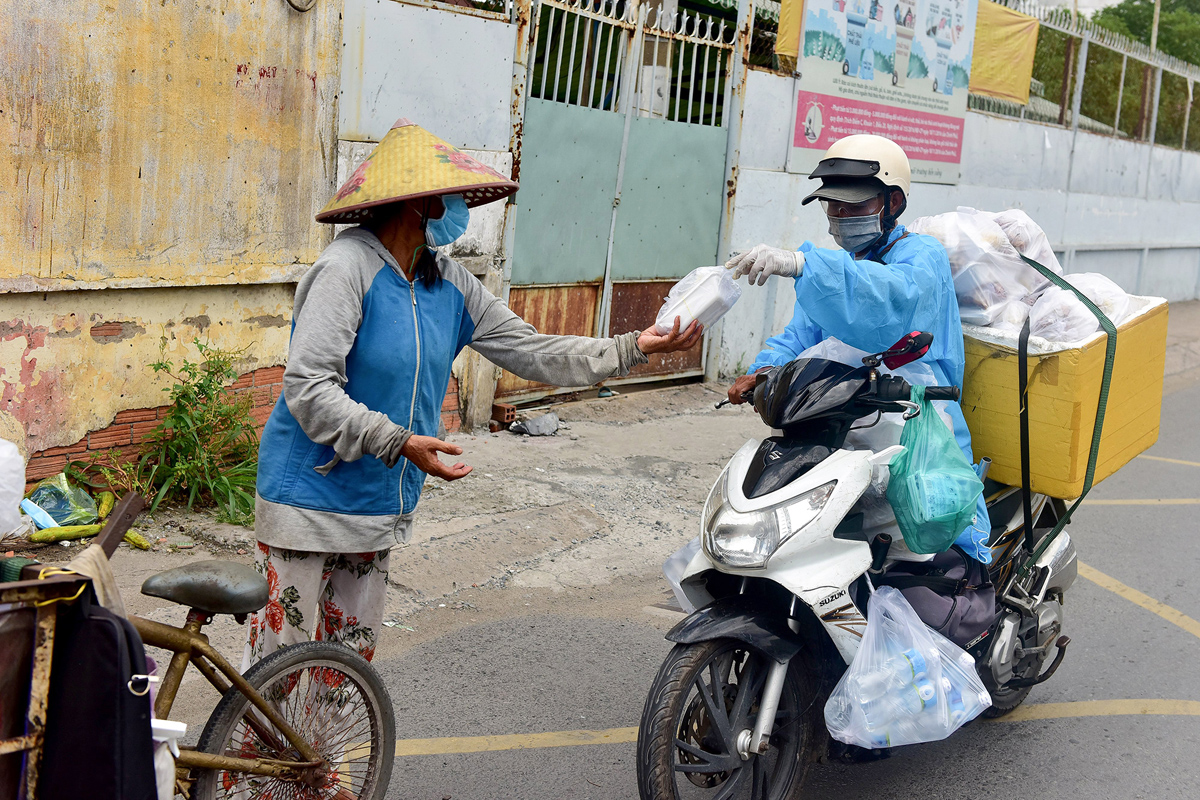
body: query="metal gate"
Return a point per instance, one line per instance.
(623, 166)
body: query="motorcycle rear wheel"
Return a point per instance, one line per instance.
(685, 753)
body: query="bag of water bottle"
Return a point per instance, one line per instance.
(933, 488)
(907, 684)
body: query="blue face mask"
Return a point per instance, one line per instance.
(451, 225)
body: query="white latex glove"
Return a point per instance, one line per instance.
(764, 261)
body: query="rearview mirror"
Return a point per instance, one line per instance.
(905, 351)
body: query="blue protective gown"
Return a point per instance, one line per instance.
(871, 304)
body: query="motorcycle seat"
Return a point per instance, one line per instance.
(218, 587)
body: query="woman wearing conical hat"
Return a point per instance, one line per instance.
(377, 323)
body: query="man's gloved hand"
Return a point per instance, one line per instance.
(763, 261)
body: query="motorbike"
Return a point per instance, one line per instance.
(776, 587)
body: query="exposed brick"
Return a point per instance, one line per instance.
(243, 381)
(261, 396)
(43, 467)
(450, 403)
(276, 391)
(453, 422)
(162, 411)
(135, 415)
(107, 329)
(260, 415)
(452, 387)
(112, 436)
(50, 452)
(268, 375)
(143, 429)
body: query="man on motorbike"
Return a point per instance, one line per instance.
(883, 283)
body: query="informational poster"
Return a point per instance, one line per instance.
(898, 68)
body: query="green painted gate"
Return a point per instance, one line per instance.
(622, 169)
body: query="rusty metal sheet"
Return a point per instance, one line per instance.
(551, 309)
(164, 144)
(403, 60)
(634, 307)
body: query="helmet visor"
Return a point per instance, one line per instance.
(846, 191)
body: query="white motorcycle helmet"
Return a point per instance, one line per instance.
(861, 166)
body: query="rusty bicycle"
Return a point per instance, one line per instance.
(310, 721)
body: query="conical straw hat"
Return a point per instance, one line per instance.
(409, 163)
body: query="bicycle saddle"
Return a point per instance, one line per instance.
(218, 587)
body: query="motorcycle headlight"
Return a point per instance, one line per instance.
(748, 539)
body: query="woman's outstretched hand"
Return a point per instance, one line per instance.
(651, 341)
(422, 452)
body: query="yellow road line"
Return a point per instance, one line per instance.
(1103, 708)
(1179, 501)
(1172, 460)
(1137, 598)
(513, 741)
(531, 741)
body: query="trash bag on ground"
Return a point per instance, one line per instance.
(705, 294)
(933, 488)
(907, 684)
(987, 268)
(544, 425)
(66, 504)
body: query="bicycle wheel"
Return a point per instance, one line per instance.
(334, 699)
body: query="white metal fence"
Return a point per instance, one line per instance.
(589, 52)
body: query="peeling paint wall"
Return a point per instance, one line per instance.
(164, 143)
(164, 162)
(73, 360)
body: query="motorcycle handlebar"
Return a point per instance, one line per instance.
(941, 393)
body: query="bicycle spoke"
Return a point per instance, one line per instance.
(732, 785)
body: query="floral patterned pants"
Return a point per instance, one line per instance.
(318, 596)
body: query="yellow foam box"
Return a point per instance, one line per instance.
(1064, 391)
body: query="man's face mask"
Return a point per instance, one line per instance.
(856, 233)
(451, 225)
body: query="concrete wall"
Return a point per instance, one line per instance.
(165, 161)
(1126, 210)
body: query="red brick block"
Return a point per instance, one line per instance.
(276, 392)
(260, 396)
(141, 430)
(452, 387)
(107, 329)
(450, 403)
(135, 415)
(243, 382)
(43, 467)
(112, 436)
(162, 411)
(260, 415)
(453, 422)
(268, 375)
(71, 449)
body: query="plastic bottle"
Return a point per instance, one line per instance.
(898, 671)
(903, 703)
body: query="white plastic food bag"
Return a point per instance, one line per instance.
(907, 683)
(988, 271)
(1060, 316)
(1027, 237)
(704, 294)
(12, 486)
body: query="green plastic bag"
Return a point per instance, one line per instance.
(66, 504)
(933, 489)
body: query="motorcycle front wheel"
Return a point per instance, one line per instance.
(704, 697)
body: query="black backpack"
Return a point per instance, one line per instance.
(98, 741)
(952, 593)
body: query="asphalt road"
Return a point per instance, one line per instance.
(520, 661)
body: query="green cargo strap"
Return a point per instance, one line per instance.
(1109, 357)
